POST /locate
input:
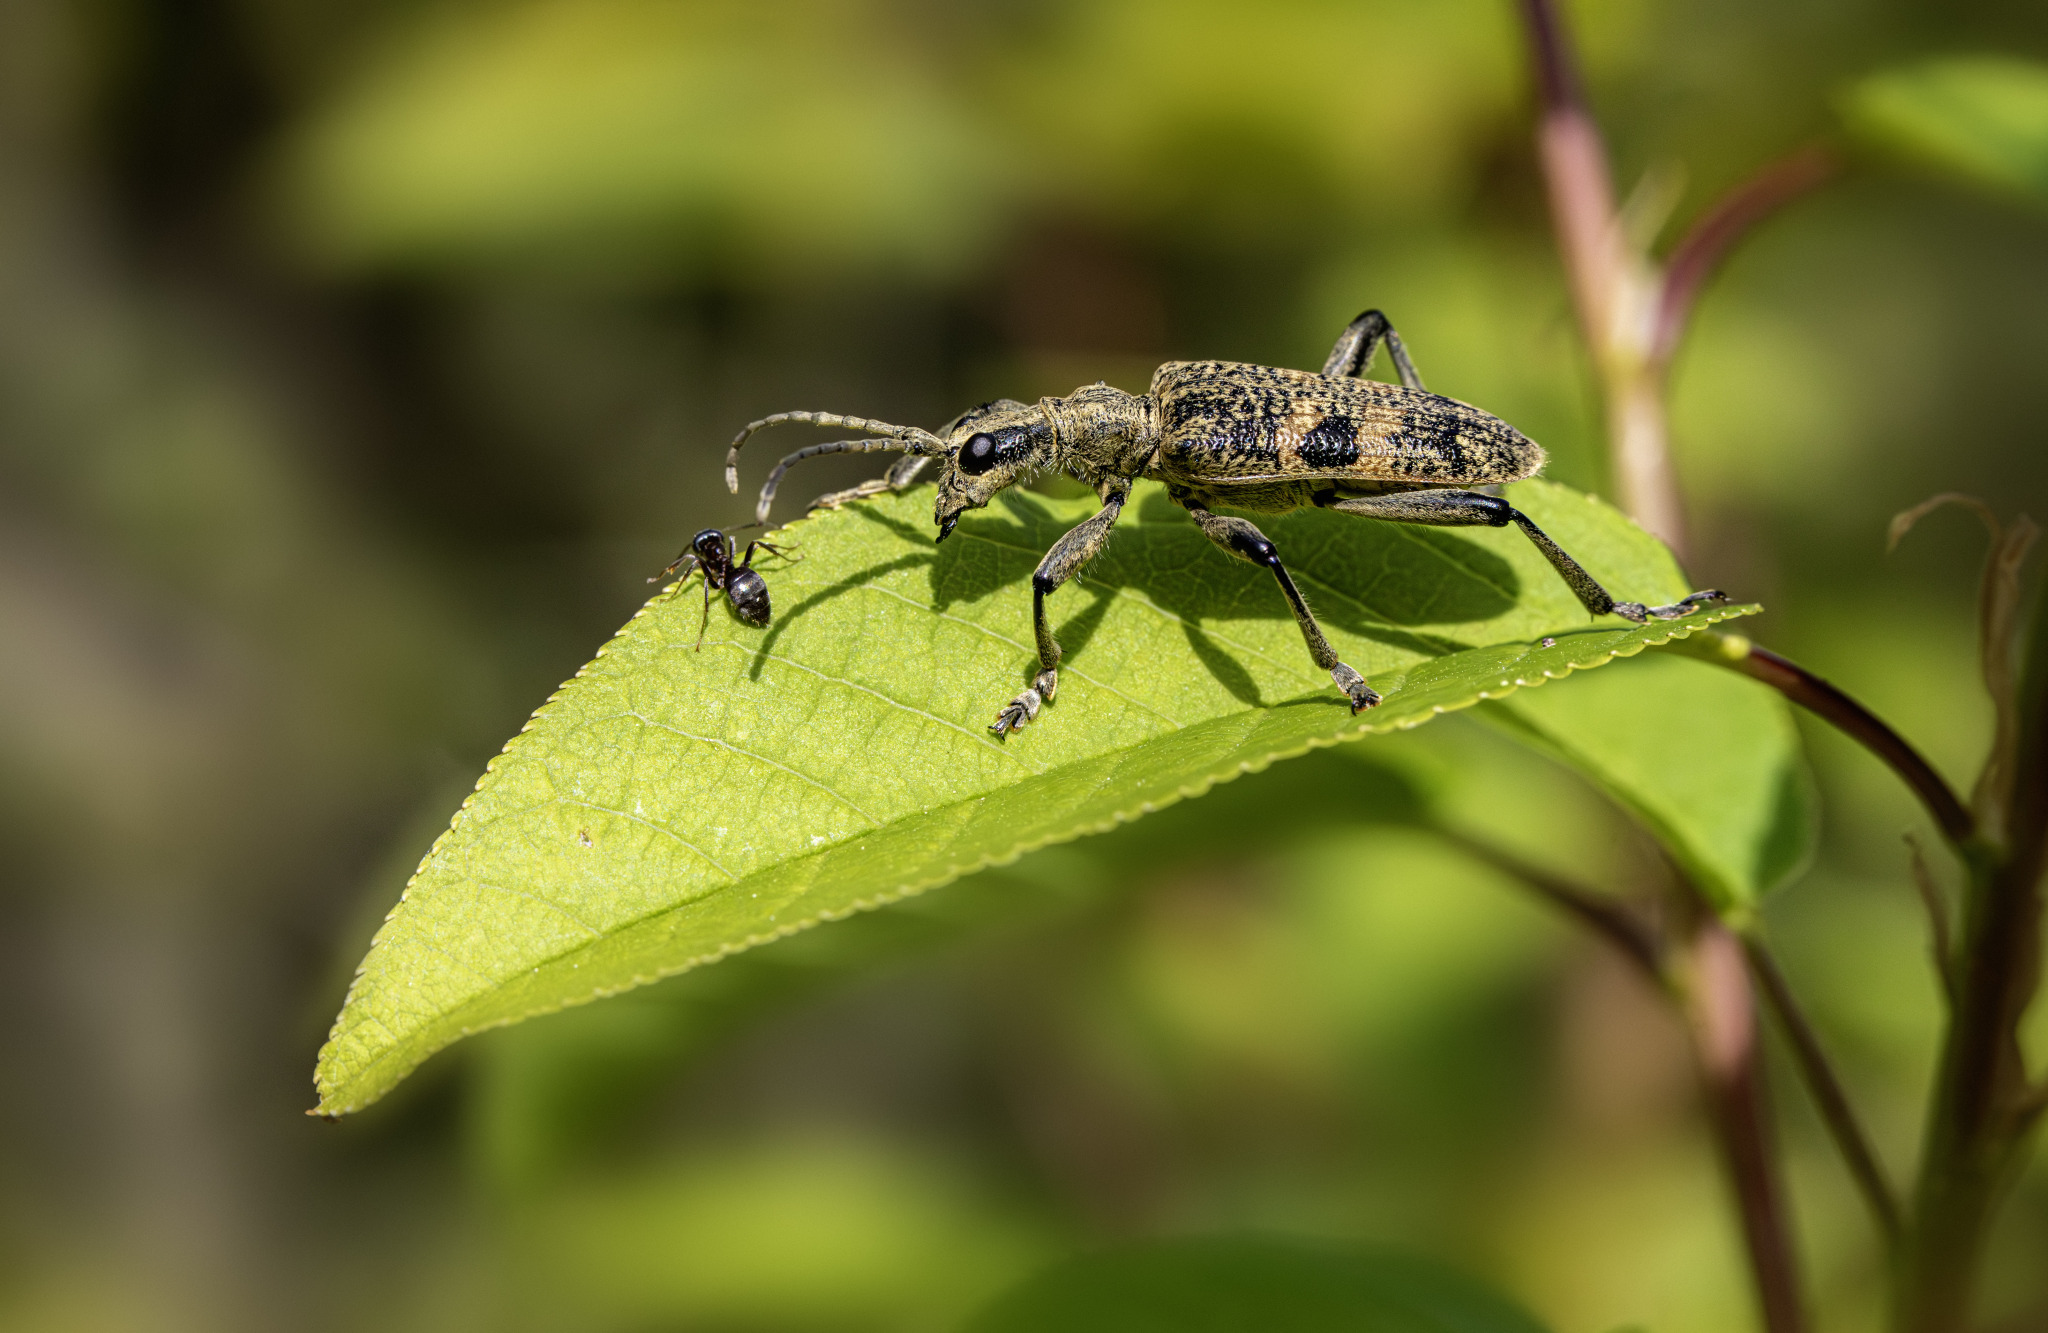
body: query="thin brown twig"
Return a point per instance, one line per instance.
(1613, 285)
(1557, 75)
(1998, 611)
(1607, 915)
(1708, 241)
(1828, 1095)
(1943, 939)
(1979, 1110)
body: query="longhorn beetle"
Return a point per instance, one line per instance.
(1220, 434)
(711, 551)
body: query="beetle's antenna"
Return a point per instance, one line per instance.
(911, 439)
(836, 447)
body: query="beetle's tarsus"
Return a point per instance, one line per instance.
(1362, 695)
(1689, 603)
(1678, 610)
(1024, 708)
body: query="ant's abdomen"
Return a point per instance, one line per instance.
(748, 594)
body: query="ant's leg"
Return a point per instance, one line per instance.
(1361, 338)
(762, 543)
(1246, 542)
(1467, 509)
(1061, 563)
(901, 476)
(705, 624)
(685, 564)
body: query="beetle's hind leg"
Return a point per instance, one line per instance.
(1469, 509)
(1241, 539)
(1355, 347)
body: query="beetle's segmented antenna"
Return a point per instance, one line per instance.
(769, 486)
(910, 438)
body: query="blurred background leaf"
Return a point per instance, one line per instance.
(1221, 1283)
(1708, 761)
(625, 134)
(1983, 118)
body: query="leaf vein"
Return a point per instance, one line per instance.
(666, 832)
(742, 751)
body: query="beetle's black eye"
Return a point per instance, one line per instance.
(978, 455)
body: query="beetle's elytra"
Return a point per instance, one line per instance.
(1225, 435)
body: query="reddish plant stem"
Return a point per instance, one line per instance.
(1619, 296)
(1721, 1013)
(1613, 289)
(1693, 260)
(1810, 692)
(1717, 1002)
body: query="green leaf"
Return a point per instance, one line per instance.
(668, 807)
(1983, 117)
(1709, 761)
(1236, 1284)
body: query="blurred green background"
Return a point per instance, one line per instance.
(358, 362)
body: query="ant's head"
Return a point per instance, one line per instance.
(988, 448)
(710, 548)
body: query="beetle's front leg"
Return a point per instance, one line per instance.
(1464, 509)
(1061, 563)
(901, 476)
(1246, 542)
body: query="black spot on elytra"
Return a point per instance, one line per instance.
(1434, 447)
(1332, 444)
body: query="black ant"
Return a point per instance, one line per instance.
(712, 551)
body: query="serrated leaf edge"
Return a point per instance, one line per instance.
(1676, 630)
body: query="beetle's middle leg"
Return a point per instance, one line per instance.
(1467, 509)
(1246, 542)
(1061, 563)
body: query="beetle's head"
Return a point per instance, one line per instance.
(988, 448)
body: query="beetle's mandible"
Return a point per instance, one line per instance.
(1224, 435)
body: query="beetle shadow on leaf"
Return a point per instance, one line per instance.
(1375, 583)
(1374, 580)
(1075, 632)
(1228, 671)
(988, 551)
